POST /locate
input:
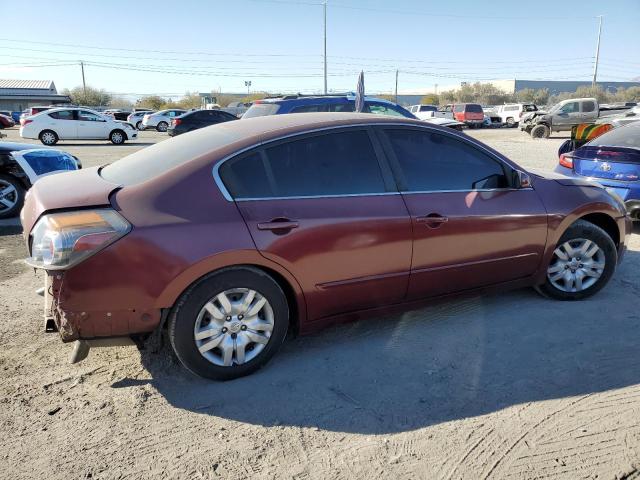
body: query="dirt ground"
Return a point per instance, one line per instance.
(500, 386)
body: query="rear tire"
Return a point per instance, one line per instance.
(48, 137)
(540, 131)
(11, 196)
(235, 340)
(162, 127)
(592, 256)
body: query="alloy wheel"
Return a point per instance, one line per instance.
(576, 265)
(233, 327)
(117, 138)
(8, 195)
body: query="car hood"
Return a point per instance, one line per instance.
(562, 179)
(77, 189)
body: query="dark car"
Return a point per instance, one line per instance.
(21, 164)
(237, 233)
(197, 119)
(6, 121)
(323, 103)
(611, 159)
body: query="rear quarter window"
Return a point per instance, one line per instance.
(474, 108)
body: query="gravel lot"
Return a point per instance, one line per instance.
(502, 386)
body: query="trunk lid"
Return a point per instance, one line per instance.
(609, 163)
(78, 189)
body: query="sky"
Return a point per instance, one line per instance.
(170, 47)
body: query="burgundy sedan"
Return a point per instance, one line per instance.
(230, 236)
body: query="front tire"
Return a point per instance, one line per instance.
(117, 137)
(162, 126)
(582, 263)
(511, 122)
(140, 126)
(11, 196)
(48, 137)
(229, 324)
(540, 131)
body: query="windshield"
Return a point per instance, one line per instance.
(261, 110)
(628, 136)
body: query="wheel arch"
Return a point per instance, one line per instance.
(289, 284)
(605, 222)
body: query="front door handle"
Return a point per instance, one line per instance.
(281, 224)
(433, 220)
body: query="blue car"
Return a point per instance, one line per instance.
(612, 160)
(323, 103)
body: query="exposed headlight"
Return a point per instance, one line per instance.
(61, 240)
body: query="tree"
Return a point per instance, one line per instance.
(429, 99)
(120, 102)
(154, 102)
(90, 97)
(448, 96)
(253, 97)
(190, 100)
(529, 95)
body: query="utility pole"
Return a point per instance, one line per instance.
(595, 67)
(324, 8)
(436, 90)
(84, 85)
(396, 85)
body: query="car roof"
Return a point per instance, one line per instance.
(7, 147)
(316, 99)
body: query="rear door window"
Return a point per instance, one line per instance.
(588, 107)
(474, 108)
(309, 108)
(458, 108)
(434, 162)
(383, 109)
(62, 115)
(340, 163)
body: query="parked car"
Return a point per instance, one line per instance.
(492, 118)
(28, 112)
(21, 164)
(423, 111)
(623, 118)
(6, 121)
(613, 160)
(445, 122)
(511, 113)
(236, 108)
(160, 120)
(70, 123)
(564, 115)
(470, 114)
(307, 220)
(135, 118)
(117, 114)
(15, 116)
(197, 119)
(323, 103)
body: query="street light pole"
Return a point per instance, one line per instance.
(247, 83)
(396, 86)
(595, 67)
(324, 8)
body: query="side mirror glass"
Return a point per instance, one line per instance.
(524, 180)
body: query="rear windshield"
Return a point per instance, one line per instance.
(627, 136)
(428, 108)
(474, 108)
(261, 110)
(157, 159)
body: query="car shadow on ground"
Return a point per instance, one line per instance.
(454, 359)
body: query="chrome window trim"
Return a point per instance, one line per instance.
(228, 197)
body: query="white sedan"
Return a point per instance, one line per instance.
(161, 120)
(74, 124)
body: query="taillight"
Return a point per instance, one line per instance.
(566, 160)
(61, 240)
(24, 121)
(176, 122)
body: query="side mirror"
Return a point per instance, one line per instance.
(523, 179)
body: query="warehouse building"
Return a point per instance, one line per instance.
(16, 95)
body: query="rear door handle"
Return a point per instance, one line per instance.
(278, 224)
(433, 220)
